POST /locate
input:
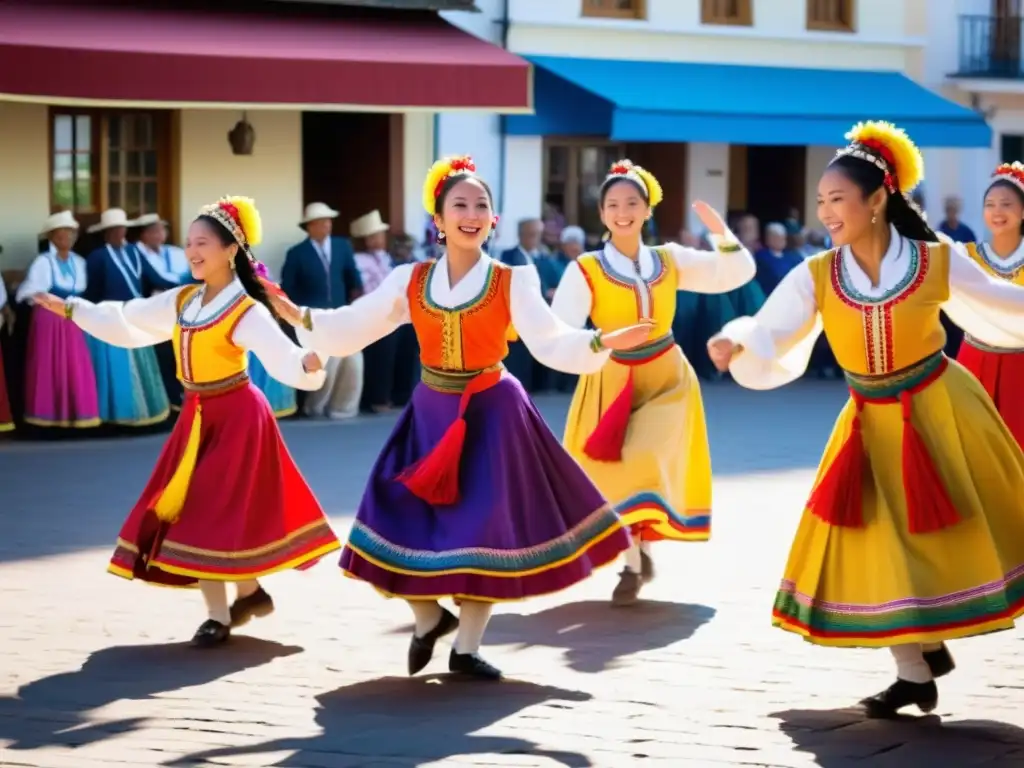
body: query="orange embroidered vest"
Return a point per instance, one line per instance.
(617, 299)
(877, 336)
(205, 352)
(470, 337)
(1015, 274)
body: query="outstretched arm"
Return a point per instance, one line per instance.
(294, 366)
(989, 308)
(132, 324)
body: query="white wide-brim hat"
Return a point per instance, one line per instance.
(369, 224)
(59, 220)
(148, 220)
(317, 211)
(110, 218)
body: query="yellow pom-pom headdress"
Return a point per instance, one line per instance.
(640, 176)
(240, 217)
(439, 173)
(890, 150)
(1011, 172)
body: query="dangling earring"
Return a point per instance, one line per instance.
(874, 218)
(440, 235)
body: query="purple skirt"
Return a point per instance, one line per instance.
(528, 522)
(60, 384)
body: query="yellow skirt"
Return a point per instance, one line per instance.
(662, 485)
(879, 585)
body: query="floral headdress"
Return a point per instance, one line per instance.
(641, 176)
(1011, 172)
(238, 215)
(439, 173)
(889, 149)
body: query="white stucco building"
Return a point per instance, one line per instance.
(740, 103)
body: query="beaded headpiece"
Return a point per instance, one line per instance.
(641, 176)
(1011, 172)
(239, 216)
(889, 149)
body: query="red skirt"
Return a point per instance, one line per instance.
(246, 510)
(1002, 375)
(6, 420)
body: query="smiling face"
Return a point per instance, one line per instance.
(63, 239)
(843, 208)
(624, 209)
(208, 249)
(466, 214)
(1004, 209)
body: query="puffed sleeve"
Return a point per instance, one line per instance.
(38, 279)
(777, 342)
(259, 333)
(573, 299)
(989, 308)
(726, 268)
(346, 330)
(550, 340)
(131, 324)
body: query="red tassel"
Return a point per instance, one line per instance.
(435, 477)
(606, 441)
(837, 499)
(929, 507)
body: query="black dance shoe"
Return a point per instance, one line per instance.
(627, 591)
(210, 634)
(472, 665)
(940, 661)
(257, 605)
(646, 568)
(886, 705)
(421, 649)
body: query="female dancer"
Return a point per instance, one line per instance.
(637, 425)
(60, 381)
(225, 502)
(472, 497)
(920, 479)
(1000, 369)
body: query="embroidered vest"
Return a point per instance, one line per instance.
(1013, 273)
(470, 337)
(618, 302)
(204, 351)
(872, 337)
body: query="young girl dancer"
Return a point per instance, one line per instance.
(1000, 368)
(472, 496)
(914, 531)
(637, 425)
(225, 502)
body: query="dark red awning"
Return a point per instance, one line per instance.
(189, 54)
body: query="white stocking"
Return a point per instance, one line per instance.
(473, 618)
(633, 557)
(910, 663)
(427, 613)
(247, 587)
(215, 593)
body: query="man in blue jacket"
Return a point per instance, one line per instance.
(320, 272)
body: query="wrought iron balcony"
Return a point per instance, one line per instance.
(991, 46)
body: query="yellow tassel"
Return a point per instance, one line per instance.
(168, 506)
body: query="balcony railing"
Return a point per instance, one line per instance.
(991, 46)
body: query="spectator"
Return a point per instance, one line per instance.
(951, 226)
(774, 260)
(370, 237)
(407, 348)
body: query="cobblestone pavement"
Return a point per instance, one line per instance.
(94, 670)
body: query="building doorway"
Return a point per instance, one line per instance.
(768, 181)
(352, 161)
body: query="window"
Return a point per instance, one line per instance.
(734, 12)
(573, 172)
(830, 15)
(104, 159)
(615, 9)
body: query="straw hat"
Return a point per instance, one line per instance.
(60, 220)
(367, 225)
(316, 211)
(148, 220)
(110, 218)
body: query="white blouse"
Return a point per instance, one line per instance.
(144, 322)
(715, 271)
(44, 274)
(777, 342)
(344, 331)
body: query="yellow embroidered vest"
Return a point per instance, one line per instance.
(618, 302)
(1015, 274)
(873, 337)
(205, 352)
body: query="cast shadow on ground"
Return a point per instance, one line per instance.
(53, 711)
(843, 738)
(593, 635)
(415, 721)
